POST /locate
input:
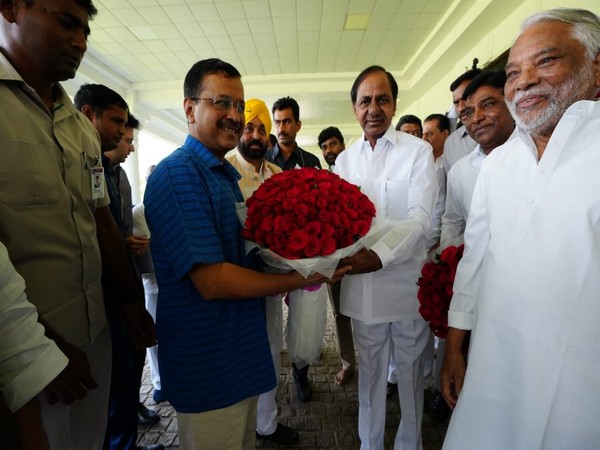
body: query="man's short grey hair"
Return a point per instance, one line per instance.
(586, 26)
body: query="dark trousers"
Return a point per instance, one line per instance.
(126, 376)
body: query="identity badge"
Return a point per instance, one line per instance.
(97, 182)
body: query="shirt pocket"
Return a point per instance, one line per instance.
(395, 193)
(28, 177)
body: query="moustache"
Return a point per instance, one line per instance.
(256, 142)
(231, 124)
(533, 91)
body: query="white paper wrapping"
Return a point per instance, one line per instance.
(306, 324)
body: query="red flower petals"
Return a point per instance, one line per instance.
(303, 213)
(435, 289)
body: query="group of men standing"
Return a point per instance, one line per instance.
(526, 287)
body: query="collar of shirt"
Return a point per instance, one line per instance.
(208, 158)
(63, 107)
(277, 151)
(389, 137)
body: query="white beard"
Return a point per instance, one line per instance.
(576, 87)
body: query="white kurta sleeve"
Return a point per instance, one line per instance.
(140, 227)
(453, 219)
(433, 235)
(28, 359)
(477, 237)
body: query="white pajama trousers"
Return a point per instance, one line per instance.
(82, 425)
(374, 344)
(151, 297)
(266, 413)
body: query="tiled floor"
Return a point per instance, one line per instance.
(327, 422)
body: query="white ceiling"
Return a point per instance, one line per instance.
(144, 48)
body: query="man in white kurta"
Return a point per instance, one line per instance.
(488, 120)
(528, 284)
(395, 170)
(249, 161)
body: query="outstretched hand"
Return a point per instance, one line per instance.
(317, 278)
(364, 261)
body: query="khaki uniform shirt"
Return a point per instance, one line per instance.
(46, 206)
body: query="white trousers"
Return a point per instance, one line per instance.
(374, 344)
(82, 425)
(266, 414)
(151, 296)
(429, 363)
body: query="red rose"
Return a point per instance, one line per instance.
(313, 228)
(313, 248)
(298, 240)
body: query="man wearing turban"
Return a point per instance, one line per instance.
(250, 163)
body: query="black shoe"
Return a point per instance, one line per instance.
(440, 409)
(303, 389)
(147, 416)
(392, 388)
(150, 447)
(283, 435)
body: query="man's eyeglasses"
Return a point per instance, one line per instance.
(224, 103)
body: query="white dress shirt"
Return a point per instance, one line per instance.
(399, 177)
(459, 191)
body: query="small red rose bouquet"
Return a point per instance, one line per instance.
(435, 289)
(307, 220)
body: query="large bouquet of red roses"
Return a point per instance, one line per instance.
(307, 213)
(435, 289)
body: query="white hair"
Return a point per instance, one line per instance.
(586, 26)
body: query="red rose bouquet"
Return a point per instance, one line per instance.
(306, 214)
(435, 289)
(307, 220)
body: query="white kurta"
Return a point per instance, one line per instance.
(266, 408)
(529, 287)
(28, 359)
(399, 178)
(459, 192)
(433, 235)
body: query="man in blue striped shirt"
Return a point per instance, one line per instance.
(214, 353)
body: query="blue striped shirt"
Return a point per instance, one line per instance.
(212, 354)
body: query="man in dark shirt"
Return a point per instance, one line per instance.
(286, 154)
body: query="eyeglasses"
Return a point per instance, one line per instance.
(224, 103)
